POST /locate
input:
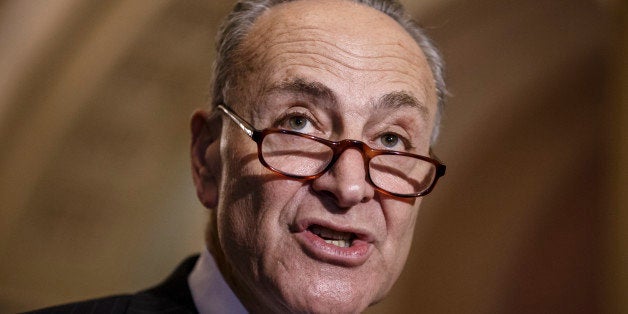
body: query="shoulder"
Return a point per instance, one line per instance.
(171, 296)
(142, 302)
(107, 305)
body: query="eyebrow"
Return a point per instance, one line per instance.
(392, 100)
(310, 88)
(400, 99)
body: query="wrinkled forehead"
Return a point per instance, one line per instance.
(351, 21)
(345, 23)
(334, 33)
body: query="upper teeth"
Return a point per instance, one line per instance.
(341, 239)
(340, 243)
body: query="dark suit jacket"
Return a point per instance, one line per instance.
(171, 296)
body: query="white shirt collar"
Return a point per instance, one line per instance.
(210, 292)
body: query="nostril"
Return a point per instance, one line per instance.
(342, 196)
(346, 183)
(329, 198)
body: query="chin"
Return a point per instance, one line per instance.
(329, 297)
(327, 306)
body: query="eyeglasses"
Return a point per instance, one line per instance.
(303, 156)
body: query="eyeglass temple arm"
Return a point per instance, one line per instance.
(441, 168)
(245, 126)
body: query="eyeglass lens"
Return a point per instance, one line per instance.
(301, 156)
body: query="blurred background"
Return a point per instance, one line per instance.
(95, 190)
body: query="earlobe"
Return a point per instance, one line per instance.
(205, 156)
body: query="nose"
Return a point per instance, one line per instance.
(346, 181)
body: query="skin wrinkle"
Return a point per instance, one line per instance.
(319, 60)
(331, 57)
(262, 41)
(346, 35)
(347, 67)
(346, 51)
(272, 273)
(391, 67)
(319, 35)
(374, 70)
(415, 56)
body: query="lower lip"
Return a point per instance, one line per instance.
(317, 248)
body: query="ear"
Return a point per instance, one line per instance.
(205, 154)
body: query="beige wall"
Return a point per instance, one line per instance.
(94, 178)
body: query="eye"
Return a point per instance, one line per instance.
(389, 140)
(297, 123)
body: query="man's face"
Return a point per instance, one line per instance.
(336, 70)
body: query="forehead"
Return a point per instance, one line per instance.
(354, 45)
(344, 19)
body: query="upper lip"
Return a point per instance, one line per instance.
(360, 233)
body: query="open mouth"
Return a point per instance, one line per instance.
(337, 238)
(347, 246)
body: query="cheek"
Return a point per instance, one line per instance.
(400, 215)
(400, 223)
(236, 214)
(254, 208)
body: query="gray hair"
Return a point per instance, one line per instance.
(238, 23)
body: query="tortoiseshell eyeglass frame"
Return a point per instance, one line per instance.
(338, 147)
